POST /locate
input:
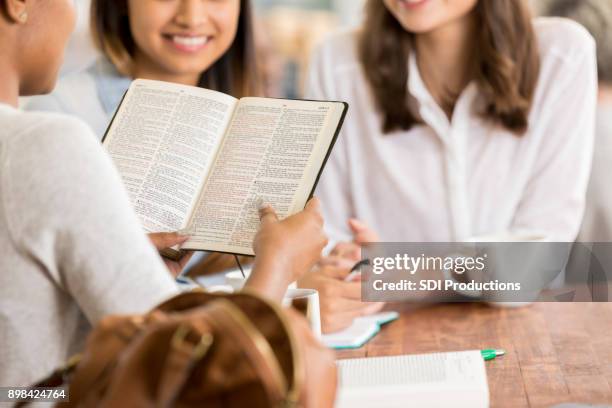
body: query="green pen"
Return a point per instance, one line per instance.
(490, 354)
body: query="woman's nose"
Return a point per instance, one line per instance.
(191, 13)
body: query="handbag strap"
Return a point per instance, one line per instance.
(182, 357)
(226, 318)
(59, 378)
(92, 368)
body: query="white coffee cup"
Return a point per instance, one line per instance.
(510, 238)
(312, 309)
(236, 280)
(220, 289)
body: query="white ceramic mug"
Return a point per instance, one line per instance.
(236, 280)
(311, 308)
(510, 238)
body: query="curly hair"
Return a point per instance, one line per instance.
(506, 70)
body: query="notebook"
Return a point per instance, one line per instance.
(427, 380)
(360, 332)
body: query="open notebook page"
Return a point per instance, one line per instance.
(426, 380)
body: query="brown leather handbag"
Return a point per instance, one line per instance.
(201, 349)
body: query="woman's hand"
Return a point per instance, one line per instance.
(340, 301)
(166, 240)
(362, 234)
(285, 250)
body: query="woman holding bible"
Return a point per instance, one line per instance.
(72, 247)
(468, 118)
(206, 43)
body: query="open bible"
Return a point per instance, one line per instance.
(198, 160)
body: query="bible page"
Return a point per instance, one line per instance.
(273, 151)
(163, 141)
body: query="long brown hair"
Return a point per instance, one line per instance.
(507, 66)
(235, 73)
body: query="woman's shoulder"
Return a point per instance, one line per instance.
(562, 38)
(46, 152)
(69, 95)
(42, 133)
(78, 94)
(338, 51)
(47, 138)
(335, 71)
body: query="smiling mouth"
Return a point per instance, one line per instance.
(188, 43)
(413, 4)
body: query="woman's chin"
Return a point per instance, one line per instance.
(39, 88)
(187, 69)
(418, 27)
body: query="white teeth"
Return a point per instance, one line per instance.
(190, 41)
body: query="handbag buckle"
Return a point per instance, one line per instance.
(200, 349)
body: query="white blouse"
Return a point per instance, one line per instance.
(458, 179)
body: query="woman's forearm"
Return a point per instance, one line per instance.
(269, 277)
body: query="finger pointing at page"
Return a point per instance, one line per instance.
(267, 214)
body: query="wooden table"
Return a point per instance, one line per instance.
(556, 352)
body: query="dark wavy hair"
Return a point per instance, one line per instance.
(235, 73)
(506, 69)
